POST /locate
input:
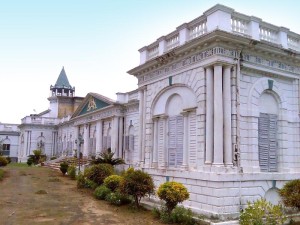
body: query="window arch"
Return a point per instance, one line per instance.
(267, 132)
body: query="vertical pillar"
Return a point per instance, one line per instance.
(121, 137)
(165, 141)
(185, 140)
(144, 126)
(114, 136)
(218, 116)
(86, 138)
(98, 137)
(209, 116)
(227, 116)
(155, 143)
(141, 122)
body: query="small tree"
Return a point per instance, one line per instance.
(136, 183)
(113, 182)
(3, 161)
(172, 193)
(290, 194)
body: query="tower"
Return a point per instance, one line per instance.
(62, 100)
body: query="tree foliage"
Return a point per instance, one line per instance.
(290, 194)
(172, 193)
(136, 183)
(107, 157)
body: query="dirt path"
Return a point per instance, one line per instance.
(42, 196)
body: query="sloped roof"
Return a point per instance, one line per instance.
(62, 80)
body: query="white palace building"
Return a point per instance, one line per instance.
(216, 108)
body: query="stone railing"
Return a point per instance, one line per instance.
(9, 127)
(39, 120)
(222, 18)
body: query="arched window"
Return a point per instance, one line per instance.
(267, 132)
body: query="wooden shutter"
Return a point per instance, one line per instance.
(192, 139)
(175, 142)
(131, 142)
(267, 142)
(105, 143)
(161, 147)
(172, 142)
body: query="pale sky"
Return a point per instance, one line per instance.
(97, 42)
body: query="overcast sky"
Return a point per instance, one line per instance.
(97, 42)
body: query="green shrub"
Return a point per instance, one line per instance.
(290, 194)
(3, 161)
(98, 173)
(182, 215)
(112, 182)
(53, 157)
(8, 159)
(101, 192)
(81, 181)
(262, 212)
(29, 161)
(137, 184)
(117, 198)
(172, 193)
(107, 157)
(72, 172)
(90, 184)
(1, 174)
(64, 167)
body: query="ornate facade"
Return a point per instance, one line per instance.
(217, 109)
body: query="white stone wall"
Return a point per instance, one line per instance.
(252, 86)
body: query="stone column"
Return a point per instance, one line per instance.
(209, 116)
(218, 115)
(114, 136)
(141, 122)
(98, 137)
(155, 143)
(121, 137)
(185, 140)
(227, 116)
(165, 141)
(86, 136)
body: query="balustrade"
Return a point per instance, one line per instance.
(222, 18)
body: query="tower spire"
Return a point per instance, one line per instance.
(62, 86)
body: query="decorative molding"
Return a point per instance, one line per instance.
(186, 62)
(274, 64)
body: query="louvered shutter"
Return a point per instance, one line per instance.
(172, 142)
(127, 143)
(105, 143)
(267, 142)
(179, 140)
(161, 147)
(131, 142)
(273, 143)
(108, 141)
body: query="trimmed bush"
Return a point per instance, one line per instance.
(262, 212)
(101, 192)
(112, 182)
(53, 157)
(182, 215)
(117, 198)
(172, 193)
(3, 161)
(98, 173)
(81, 181)
(90, 184)
(1, 174)
(29, 161)
(64, 167)
(290, 194)
(8, 159)
(72, 172)
(136, 183)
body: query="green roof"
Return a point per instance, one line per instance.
(62, 80)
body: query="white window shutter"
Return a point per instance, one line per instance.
(267, 142)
